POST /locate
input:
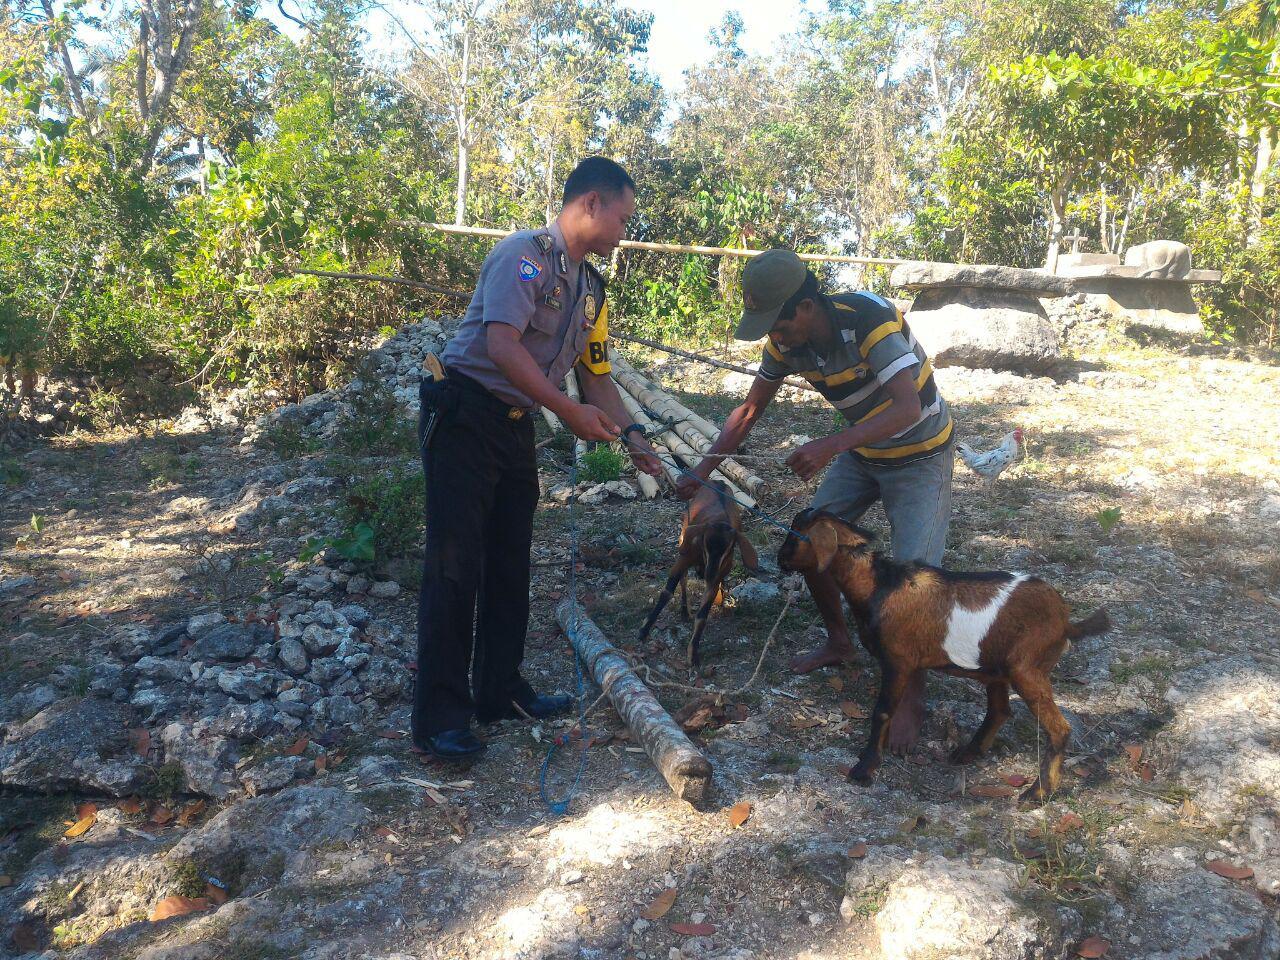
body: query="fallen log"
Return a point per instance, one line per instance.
(694, 430)
(684, 768)
(710, 361)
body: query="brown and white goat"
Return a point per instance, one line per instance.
(712, 527)
(998, 628)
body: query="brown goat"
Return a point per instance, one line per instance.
(712, 527)
(998, 628)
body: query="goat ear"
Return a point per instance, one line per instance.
(823, 540)
(749, 558)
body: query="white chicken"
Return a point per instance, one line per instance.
(989, 464)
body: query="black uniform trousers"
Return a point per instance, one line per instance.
(482, 489)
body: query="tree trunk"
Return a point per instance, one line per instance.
(460, 199)
(1258, 182)
(1057, 217)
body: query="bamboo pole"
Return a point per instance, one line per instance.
(685, 769)
(673, 247)
(552, 420)
(721, 364)
(696, 431)
(676, 446)
(654, 431)
(571, 388)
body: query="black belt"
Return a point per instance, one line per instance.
(491, 403)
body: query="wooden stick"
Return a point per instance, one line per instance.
(403, 281)
(672, 247)
(696, 431)
(722, 364)
(685, 769)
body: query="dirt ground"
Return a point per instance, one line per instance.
(1185, 445)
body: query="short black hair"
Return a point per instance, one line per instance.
(810, 289)
(599, 174)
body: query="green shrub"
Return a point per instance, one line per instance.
(375, 425)
(602, 464)
(384, 510)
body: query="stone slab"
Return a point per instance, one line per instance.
(921, 275)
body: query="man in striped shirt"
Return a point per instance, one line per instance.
(858, 352)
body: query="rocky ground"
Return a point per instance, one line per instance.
(203, 700)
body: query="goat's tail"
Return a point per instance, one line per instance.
(1092, 625)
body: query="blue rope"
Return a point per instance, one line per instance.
(561, 807)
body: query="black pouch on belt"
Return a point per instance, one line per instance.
(437, 398)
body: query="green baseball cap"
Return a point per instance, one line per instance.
(768, 281)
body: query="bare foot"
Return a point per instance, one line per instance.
(826, 656)
(904, 728)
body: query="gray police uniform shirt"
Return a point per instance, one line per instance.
(529, 282)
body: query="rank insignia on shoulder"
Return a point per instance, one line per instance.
(564, 263)
(551, 301)
(544, 242)
(529, 269)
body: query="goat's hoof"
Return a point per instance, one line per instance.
(963, 755)
(864, 773)
(1034, 794)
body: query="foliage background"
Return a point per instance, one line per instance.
(162, 169)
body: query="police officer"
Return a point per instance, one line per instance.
(538, 309)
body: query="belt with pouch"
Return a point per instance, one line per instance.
(433, 369)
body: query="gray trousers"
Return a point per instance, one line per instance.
(916, 497)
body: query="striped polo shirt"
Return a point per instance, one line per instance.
(875, 344)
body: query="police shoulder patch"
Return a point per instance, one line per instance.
(529, 269)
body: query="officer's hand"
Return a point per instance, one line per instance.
(645, 459)
(807, 460)
(591, 423)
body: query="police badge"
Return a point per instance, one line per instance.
(589, 309)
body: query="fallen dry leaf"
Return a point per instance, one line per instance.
(909, 824)
(1134, 750)
(190, 812)
(215, 894)
(736, 712)
(992, 791)
(177, 906)
(1229, 870)
(1093, 948)
(86, 809)
(739, 813)
(322, 763)
(5, 881)
(161, 815)
(693, 929)
(800, 722)
(1016, 780)
(857, 851)
(661, 904)
(295, 749)
(140, 740)
(391, 734)
(853, 711)
(81, 826)
(837, 683)
(1068, 822)
(131, 806)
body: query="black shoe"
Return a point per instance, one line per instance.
(452, 745)
(539, 708)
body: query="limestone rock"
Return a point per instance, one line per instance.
(937, 907)
(207, 762)
(995, 329)
(385, 589)
(74, 744)
(293, 655)
(1160, 259)
(986, 277)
